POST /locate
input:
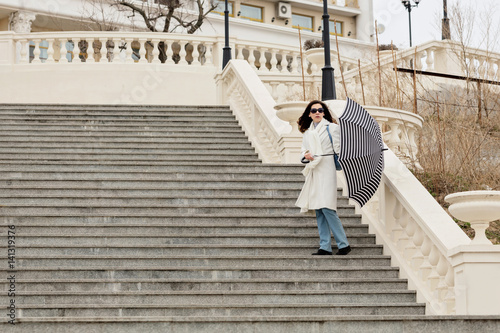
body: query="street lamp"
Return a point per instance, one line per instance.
(328, 80)
(409, 5)
(226, 53)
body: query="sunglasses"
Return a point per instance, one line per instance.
(320, 110)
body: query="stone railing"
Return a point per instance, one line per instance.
(399, 129)
(418, 234)
(436, 56)
(240, 87)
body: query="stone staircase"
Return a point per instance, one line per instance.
(152, 219)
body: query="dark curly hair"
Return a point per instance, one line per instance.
(305, 121)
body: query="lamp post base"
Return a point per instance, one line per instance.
(328, 84)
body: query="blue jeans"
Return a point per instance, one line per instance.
(329, 220)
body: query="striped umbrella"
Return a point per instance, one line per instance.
(361, 156)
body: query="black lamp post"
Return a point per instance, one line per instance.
(328, 82)
(226, 53)
(446, 34)
(409, 5)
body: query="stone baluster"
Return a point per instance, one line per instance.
(274, 89)
(410, 247)
(396, 231)
(116, 50)
(433, 278)
(240, 48)
(251, 56)
(90, 51)
(450, 294)
(64, 51)
(128, 50)
(497, 73)
(142, 51)
(418, 258)
(50, 51)
(170, 52)
(262, 60)
(36, 52)
(442, 269)
(156, 51)
(491, 70)
(196, 54)
(294, 64)
(103, 52)
(208, 54)
(418, 62)
(425, 267)
(430, 59)
(394, 141)
(274, 61)
(481, 67)
(182, 52)
(76, 51)
(24, 51)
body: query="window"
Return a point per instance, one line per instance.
(305, 22)
(221, 7)
(251, 13)
(340, 28)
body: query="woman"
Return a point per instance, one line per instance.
(319, 192)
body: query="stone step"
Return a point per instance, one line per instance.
(97, 126)
(230, 220)
(95, 285)
(276, 324)
(221, 273)
(186, 249)
(216, 297)
(147, 146)
(56, 193)
(129, 157)
(220, 152)
(200, 162)
(262, 310)
(139, 211)
(164, 176)
(191, 116)
(190, 183)
(13, 170)
(102, 139)
(110, 107)
(212, 262)
(81, 132)
(150, 202)
(191, 226)
(144, 239)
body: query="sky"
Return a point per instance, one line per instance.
(426, 20)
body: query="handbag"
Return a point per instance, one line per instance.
(335, 155)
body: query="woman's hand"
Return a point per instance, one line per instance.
(309, 156)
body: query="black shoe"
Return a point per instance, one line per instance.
(343, 251)
(322, 252)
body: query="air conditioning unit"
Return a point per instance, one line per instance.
(284, 10)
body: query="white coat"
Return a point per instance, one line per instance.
(320, 186)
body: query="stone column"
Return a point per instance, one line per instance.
(21, 21)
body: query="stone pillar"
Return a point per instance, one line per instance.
(477, 272)
(21, 21)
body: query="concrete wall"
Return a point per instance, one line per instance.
(88, 84)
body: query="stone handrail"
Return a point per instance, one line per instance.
(239, 86)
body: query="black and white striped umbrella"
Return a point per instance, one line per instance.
(361, 156)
